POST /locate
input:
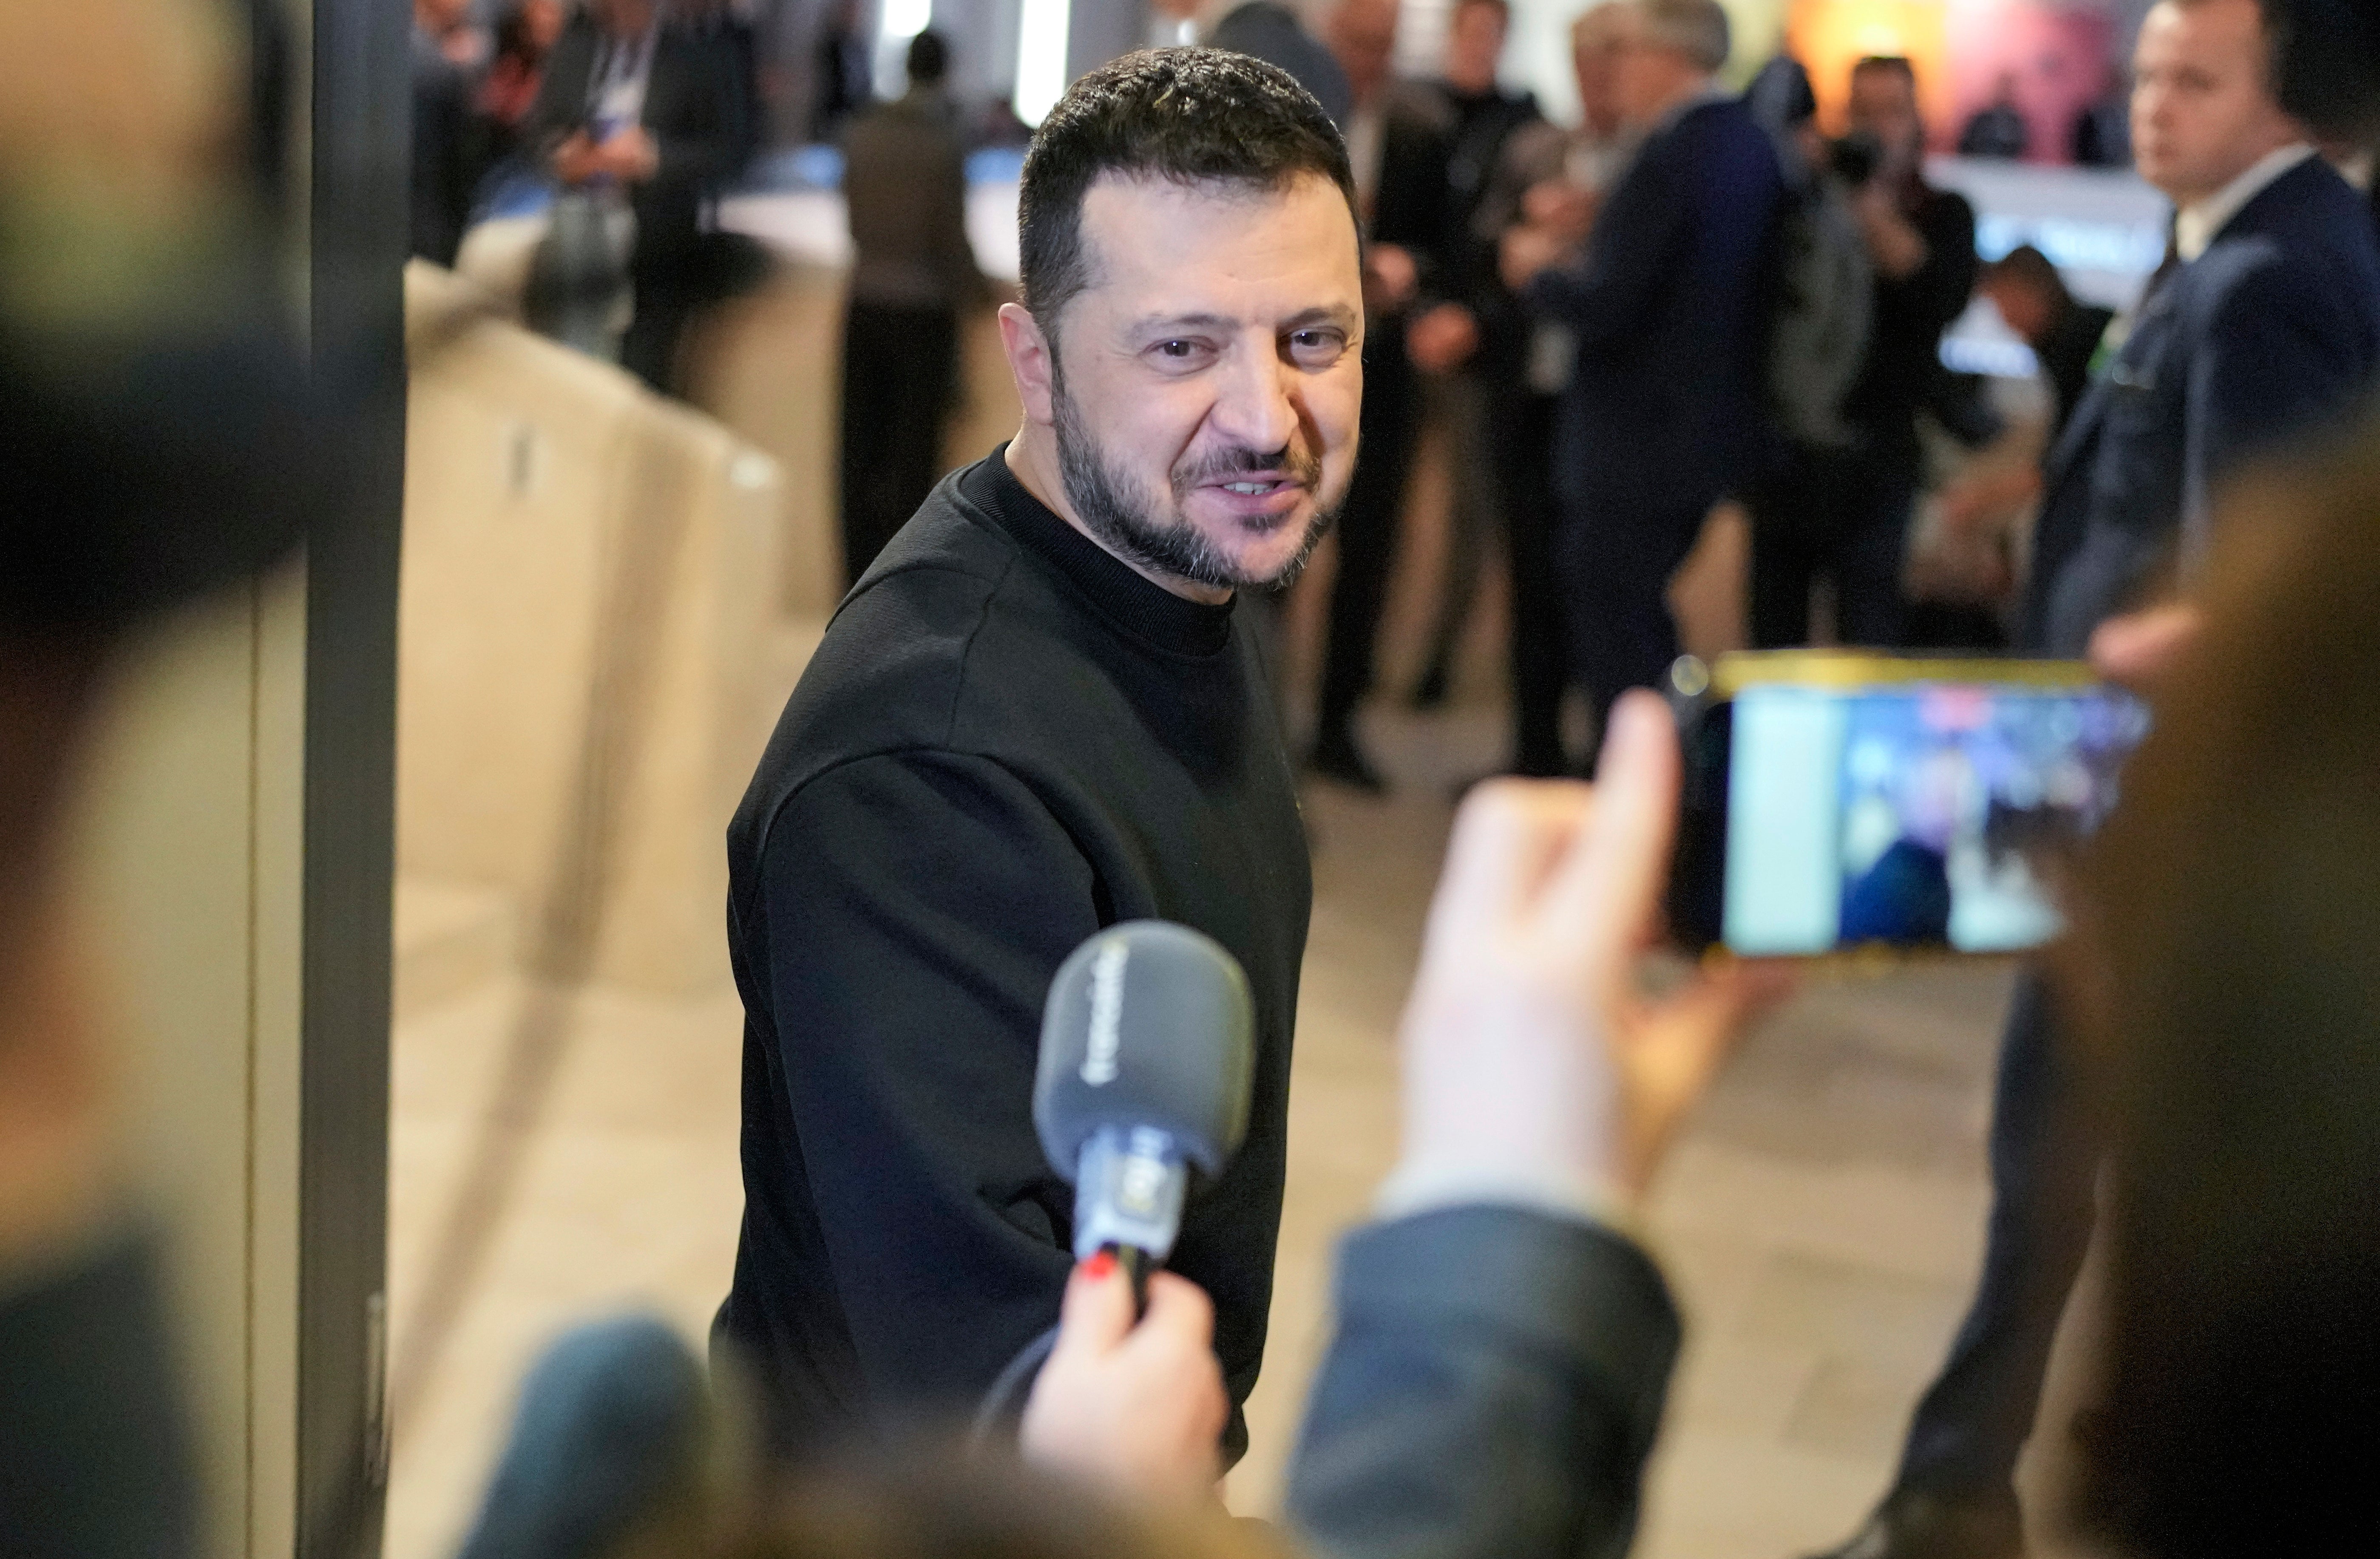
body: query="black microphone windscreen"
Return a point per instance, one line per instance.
(1148, 1024)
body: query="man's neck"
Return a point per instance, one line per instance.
(1033, 461)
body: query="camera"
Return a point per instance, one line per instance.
(1855, 157)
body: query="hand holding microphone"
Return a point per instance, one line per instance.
(1148, 1053)
(1135, 1403)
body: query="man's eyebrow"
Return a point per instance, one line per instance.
(1321, 314)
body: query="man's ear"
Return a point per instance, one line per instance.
(1032, 360)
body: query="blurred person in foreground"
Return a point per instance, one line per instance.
(1040, 713)
(1844, 513)
(159, 439)
(2264, 328)
(1398, 144)
(1464, 369)
(912, 274)
(638, 105)
(1551, 178)
(1666, 412)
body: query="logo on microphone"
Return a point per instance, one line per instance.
(1107, 1010)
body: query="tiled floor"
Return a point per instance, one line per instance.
(1819, 1221)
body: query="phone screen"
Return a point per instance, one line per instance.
(1910, 815)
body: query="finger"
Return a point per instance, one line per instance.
(1507, 836)
(1180, 1313)
(1097, 1313)
(1609, 886)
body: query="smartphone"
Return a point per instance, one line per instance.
(1838, 803)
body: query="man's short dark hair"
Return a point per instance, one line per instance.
(2025, 266)
(1897, 63)
(930, 59)
(1190, 116)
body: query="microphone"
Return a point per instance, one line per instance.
(1148, 1049)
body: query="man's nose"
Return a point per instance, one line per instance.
(1254, 404)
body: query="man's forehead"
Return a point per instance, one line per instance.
(1147, 228)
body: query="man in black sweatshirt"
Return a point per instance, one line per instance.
(1035, 716)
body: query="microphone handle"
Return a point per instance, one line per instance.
(1138, 1264)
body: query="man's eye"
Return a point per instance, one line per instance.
(1177, 348)
(1316, 347)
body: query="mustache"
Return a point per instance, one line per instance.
(1301, 464)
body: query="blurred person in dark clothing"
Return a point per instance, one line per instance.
(446, 144)
(1997, 129)
(525, 36)
(2065, 335)
(1397, 143)
(1847, 518)
(1482, 118)
(2264, 328)
(1263, 29)
(905, 184)
(1551, 179)
(635, 103)
(2103, 132)
(846, 70)
(1666, 409)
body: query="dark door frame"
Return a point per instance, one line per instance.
(356, 223)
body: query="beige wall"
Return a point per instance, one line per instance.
(589, 577)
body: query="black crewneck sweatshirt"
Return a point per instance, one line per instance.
(1006, 741)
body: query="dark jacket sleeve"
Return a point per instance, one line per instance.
(917, 904)
(1493, 1393)
(95, 1460)
(1638, 243)
(1936, 294)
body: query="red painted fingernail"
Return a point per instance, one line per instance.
(1101, 1266)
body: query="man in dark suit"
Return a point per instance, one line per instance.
(1398, 142)
(640, 103)
(2265, 326)
(1272, 33)
(1664, 413)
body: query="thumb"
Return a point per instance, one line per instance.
(1098, 1311)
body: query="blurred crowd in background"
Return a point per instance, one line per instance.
(1803, 385)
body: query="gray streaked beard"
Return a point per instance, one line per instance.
(1113, 507)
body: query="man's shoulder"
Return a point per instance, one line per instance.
(2307, 241)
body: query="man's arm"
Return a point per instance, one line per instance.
(1631, 254)
(917, 906)
(1493, 1390)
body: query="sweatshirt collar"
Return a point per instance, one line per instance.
(1137, 605)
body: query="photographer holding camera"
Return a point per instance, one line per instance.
(1844, 511)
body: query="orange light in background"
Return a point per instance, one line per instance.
(1830, 36)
